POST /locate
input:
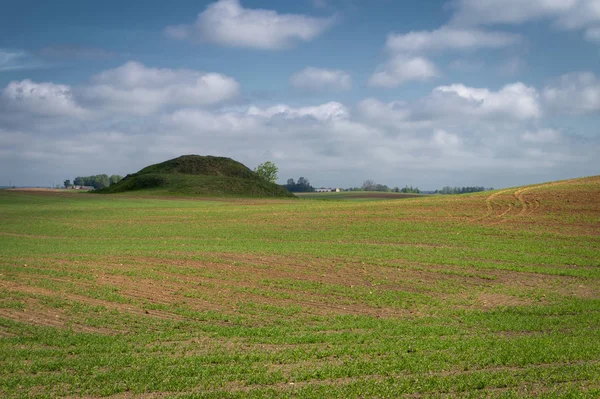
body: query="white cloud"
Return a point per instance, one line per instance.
(453, 105)
(541, 136)
(318, 79)
(510, 11)
(445, 140)
(574, 93)
(227, 23)
(407, 62)
(455, 135)
(565, 14)
(401, 69)
(374, 109)
(583, 13)
(515, 100)
(222, 123)
(135, 88)
(449, 38)
(46, 99)
(331, 111)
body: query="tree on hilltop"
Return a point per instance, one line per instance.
(267, 171)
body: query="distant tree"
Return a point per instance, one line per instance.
(410, 190)
(267, 171)
(79, 181)
(302, 186)
(99, 181)
(114, 179)
(67, 183)
(369, 185)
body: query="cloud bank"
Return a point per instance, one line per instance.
(127, 117)
(228, 23)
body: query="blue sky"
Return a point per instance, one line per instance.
(430, 93)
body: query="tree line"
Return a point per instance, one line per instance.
(370, 185)
(96, 181)
(268, 171)
(461, 190)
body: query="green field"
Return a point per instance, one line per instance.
(492, 294)
(357, 195)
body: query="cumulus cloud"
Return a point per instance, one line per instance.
(452, 105)
(408, 63)
(45, 99)
(515, 100)
(228, 23)
(565, 14)
(574, 93)
(449, 38)
(325, 112)
(401, 69)
(509, 11)
(318, 79)
(135, 88)
(456, 130)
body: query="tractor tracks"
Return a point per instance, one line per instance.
(519, 206)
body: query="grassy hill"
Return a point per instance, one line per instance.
(199, 176)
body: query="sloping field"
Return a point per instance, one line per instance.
(356, 195)
(493, 294)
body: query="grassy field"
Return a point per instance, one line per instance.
(357, 195)
(493, 294)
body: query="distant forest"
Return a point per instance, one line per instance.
(461, 190)
(96, 181)
(370, 185)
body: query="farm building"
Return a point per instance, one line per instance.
(82, 187)
(327, 190)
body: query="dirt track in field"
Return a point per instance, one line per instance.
(550, 201)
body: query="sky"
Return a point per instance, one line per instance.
(494, 93)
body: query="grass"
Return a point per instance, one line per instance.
(484, 295)
(194, 175)
(356, 195)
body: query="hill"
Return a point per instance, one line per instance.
(198, 175)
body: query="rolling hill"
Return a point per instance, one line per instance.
(198, 176)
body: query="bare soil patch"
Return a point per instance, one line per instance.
(225, 282)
